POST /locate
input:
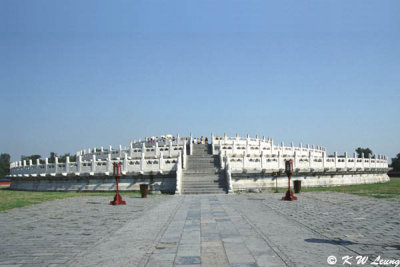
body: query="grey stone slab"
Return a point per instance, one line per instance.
(188, 250)
(209, 230)
(187, 260)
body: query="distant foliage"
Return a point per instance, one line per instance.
(31, 157)
(4, 164)
(366, 152)
(52, 158)
(396, 163)
(63, 158)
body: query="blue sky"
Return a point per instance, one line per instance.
(80, 74)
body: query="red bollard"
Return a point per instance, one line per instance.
(289, 170)
(117, 174)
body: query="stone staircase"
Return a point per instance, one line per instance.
(202, 174)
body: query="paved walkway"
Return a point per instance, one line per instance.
(207, 230)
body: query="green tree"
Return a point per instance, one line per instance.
(4, 164)
(396, 163)
(63, 158)
(366, 152)
(31, 157)
(72, 158)
(52, 158)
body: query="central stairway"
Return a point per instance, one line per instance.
(202, 174)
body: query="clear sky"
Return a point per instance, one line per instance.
(80, 74)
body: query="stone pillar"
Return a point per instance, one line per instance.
(67, 164)
(125, 166)
(345, 160)
(262, 160)
(279, 160)
(143, 148)
(184, 155)
(355, 160)
(362, 158)
(78, 164)
(161, 163)
(272, 146)
(369, 156)
(244, 159)
(156, 149)
(46, 165)
(38, 162)
(110, 149)
(142, 163)
(178, 175)
(94, 163)
(336, 159)
(170, 148)
(131, 149)
(191, 144)
(109, 164)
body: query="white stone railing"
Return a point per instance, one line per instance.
(95, 166)
(237, 139)
(155, 150)
(231, 146)
(141, 157)
(275, 163)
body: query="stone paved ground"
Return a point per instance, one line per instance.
(207, 230)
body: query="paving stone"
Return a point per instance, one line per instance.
(207, 230)
(187, 260)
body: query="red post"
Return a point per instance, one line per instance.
(289, 170)
(117, 174)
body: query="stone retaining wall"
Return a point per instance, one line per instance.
(241, 181)
(161, 183)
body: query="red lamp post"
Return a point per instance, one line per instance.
(117, 174)
(289, 170)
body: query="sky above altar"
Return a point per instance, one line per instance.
(80, 74)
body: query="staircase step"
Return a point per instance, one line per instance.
(202, 174)
(203, 192)
(209, 182)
